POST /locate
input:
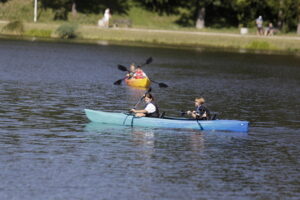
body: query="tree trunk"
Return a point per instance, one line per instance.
(74, 10)
(200, 23)
(280, 15)
(298, 28)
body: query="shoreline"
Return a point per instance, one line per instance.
(166, 38)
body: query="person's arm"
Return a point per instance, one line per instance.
(133, 75)
(143, 73)
(195, 114)
(192, 113)
(138, 111)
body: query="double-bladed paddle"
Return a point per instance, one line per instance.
(123, 68)
(118, 82)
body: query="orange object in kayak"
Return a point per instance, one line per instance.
(143, 82)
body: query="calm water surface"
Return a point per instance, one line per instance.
(49, 150)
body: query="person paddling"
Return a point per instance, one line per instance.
(132, 71)
(200, 112)
(151, 110)
(139, 73)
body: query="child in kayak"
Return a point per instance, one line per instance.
(200, 112)
(132, 71)
(139, 73)
(151, 110)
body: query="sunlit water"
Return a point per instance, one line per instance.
(49, 150)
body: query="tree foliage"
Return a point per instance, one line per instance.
(225, 13)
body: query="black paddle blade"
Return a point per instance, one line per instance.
(123, 68)
(118, 82)
(148, 61)
(163, 85)
(182, 113)
(149, 90)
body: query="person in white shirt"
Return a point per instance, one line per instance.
(150, 110)
(104, 22)
(106, 17)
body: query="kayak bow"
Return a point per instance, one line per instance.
(130, 120)
(144, 82)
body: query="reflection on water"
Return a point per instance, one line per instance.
(49, 150)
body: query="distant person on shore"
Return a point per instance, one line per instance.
(200, 112)
(270, 30)
(104, 22)
(259, 25)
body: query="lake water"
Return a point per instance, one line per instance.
(49, 149)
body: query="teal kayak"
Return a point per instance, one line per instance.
(124, 119)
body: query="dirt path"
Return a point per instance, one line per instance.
(209, 33)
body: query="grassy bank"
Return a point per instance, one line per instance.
(164, 37)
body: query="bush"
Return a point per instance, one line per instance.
(38, 33)
(263, 45)
(16, 27)
(67, 31)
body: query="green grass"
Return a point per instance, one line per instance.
(91, 33)
(38, 33)
(191, 39)
(260, 45)
(145, 19)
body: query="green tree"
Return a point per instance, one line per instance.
(298, 13)
(285, 13)
(192, 12)
(219, 13)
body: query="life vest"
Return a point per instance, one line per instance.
(155, 114)
(202, 113)
(139, 74)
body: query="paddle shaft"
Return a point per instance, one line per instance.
(148, 91)
(138, 102)
(160, 84)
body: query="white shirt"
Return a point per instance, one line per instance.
(150, 108)
(106, 15)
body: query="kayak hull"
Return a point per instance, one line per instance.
(130, 120)
(144, 82)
